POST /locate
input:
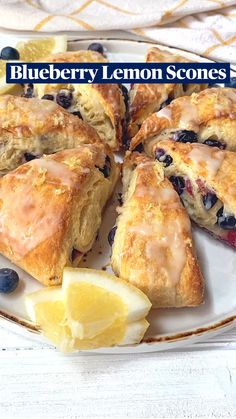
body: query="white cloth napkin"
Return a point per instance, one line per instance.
(206, 27)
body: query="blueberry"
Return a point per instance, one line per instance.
(166, 103)
(95, 46)
(227, 222)
(209, 200)
(125, 94)
(29, 156)
(28, 90)
(185, 136)
(74, 254)
(162, 157)
(9, 280)
(111, 235)
(77, 113)
(232, 82)
(9, 53)
(64, 98)
(139, 148)
(215, 143)
(47, 97)
(178, 183)
(125, 138)
(106, 170)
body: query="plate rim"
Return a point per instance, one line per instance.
(154, 341)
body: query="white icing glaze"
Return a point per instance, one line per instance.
(189, 115)
(164, 244)
(165, 113)
(207, 157)
(168, 248)
(56, 170)
(24, 221)
(34, 111)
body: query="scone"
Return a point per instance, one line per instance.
(153, 247)
(205, 178)
(208, 117)
(32, 127)
(101, 105)
(148, 98)
(51, 209)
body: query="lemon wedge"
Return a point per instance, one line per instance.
(91, 310)
(39, 49)
(32, 50)
(95, 299)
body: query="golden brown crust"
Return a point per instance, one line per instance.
(52, 206)
(36, 127)
(148, 98)
(82, 56)
(204, 170)
(102, 106)
(153, 246)
(211, 114)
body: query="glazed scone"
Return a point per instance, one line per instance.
(100, 105)
(32, 127)
(148, 98)
(153, 247)
(208, 117)
(205, 178)
(51, 209)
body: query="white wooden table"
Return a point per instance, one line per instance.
(38, 382)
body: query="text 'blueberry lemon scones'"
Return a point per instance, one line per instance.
(205, 179)
(50, 209)
(153, 246)
(148, 98)
(207, 117)
(100, 105)
(32, 127)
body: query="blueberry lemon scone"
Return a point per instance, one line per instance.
(207, 117)
(51, 209)
(153, 247)
(148, 98)
(205, 179)
(100, 105)
(32, 127)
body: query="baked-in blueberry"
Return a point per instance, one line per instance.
(9, 53)
(77, 113)
(74, 254)
(28, 90)
(106, 169)
(29, 156)
(178, 183)
(111, 235)
(162, 157)
(225, 221)
(125, 94)
(96, 46)
(64, 98)
(232, 82)
(47, 97)
(139, 148)
(215, 143)
(165, 103)
(209, 200)
(9, 279)
(185, 136)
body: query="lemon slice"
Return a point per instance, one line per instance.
(33, 50)
(102, 309)
(6, 87)
(39, 49)
(94, 300)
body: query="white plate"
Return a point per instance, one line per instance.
(169, 328)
